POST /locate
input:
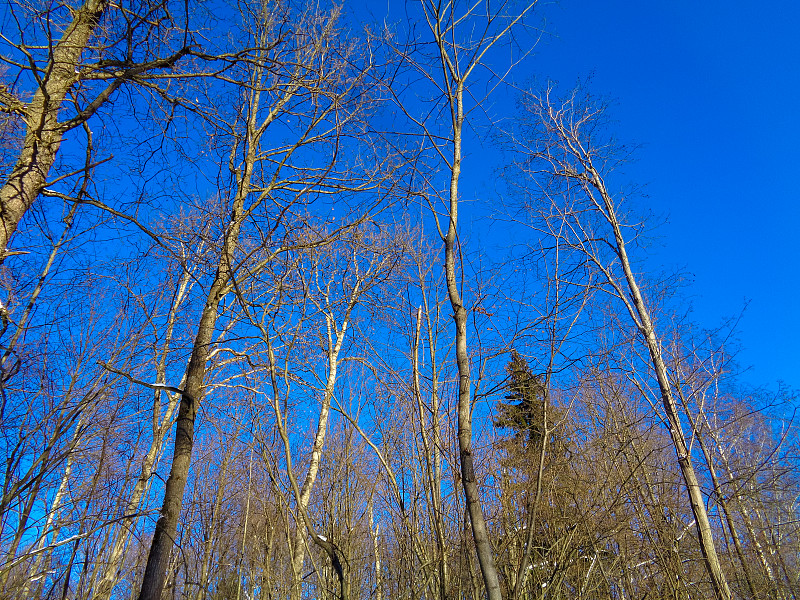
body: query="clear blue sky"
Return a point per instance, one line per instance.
(710, 90)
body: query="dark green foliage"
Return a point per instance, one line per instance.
(523, 411)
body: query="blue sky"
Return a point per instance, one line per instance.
(709, 89)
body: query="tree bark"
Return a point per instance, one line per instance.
(167, 524)
(647, 330)
(44, 132)
(468, 479)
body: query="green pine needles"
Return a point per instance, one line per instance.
(523, 411)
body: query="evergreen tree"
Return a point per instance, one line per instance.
(523, 410)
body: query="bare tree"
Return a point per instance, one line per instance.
(462, 41)
(101, 47)
(49, 422)
(303, 81)
(584, 216)
(329, 284)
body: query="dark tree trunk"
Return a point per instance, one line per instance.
(167, 524)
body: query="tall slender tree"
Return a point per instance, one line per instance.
(461, 41)
(569, 162)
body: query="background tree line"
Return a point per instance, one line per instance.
(249, 350)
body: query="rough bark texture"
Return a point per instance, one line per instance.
(44, 132)
(167, 524)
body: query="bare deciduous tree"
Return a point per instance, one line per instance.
(584, 216)
(301, 78)
(101, 47)
(461, 41)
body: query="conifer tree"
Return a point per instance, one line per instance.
(523, 411)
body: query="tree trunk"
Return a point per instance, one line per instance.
(52, 526)
(167, 524)
(748, 522)
(160, 427)
(335, 340)
(44, 132)
(374, 532)
(468, 478)
(647, 330)
(726, 513)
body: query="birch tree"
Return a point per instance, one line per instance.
(325, 286)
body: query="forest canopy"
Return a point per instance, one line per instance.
(254, 342)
